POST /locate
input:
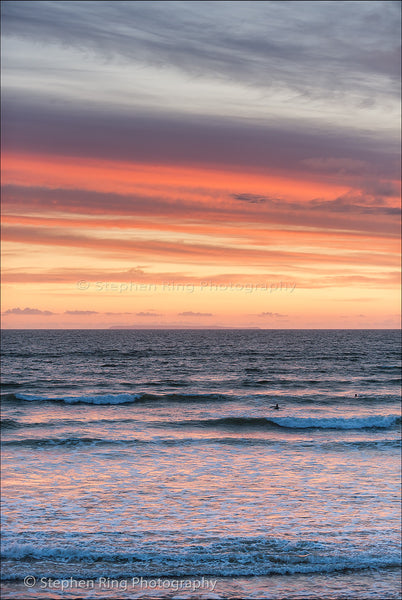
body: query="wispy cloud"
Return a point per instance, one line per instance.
(355, 202)
(129, 280)
(354, 211)
(189, 252)
(99, 133)
(256, 43)
(231, 142)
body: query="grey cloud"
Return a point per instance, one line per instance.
(381, 188)
(28, 311)
(352, 203)
(339, 166)
(312, 47)
(251, 198)
(357, 204)
(271, 314)
(39, 126)
(81, 312)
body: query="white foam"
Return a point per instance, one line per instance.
(337, 422)
(99, 399)
(239, 561)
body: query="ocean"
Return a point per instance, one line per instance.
(154, 464)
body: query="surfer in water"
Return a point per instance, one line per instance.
(276, 407)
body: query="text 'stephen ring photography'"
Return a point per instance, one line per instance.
(201, 300)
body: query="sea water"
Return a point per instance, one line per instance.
(153, 464)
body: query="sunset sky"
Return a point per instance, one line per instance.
(200, 164)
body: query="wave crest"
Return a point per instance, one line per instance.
(374, 421)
